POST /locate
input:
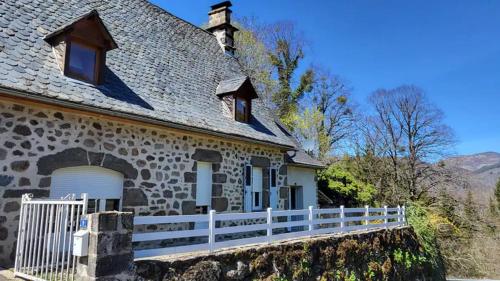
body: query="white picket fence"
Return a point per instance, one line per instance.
(293, 224)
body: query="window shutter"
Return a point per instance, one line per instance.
(273, 190)
(272, 177)
(248, 188)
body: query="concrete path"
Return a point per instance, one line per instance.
(7, 274)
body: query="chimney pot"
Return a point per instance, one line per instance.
(219, 23)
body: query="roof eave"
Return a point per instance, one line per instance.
(310, 166)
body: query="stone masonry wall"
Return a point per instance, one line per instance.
(393, 254)
(159, 166)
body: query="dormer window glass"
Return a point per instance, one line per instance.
(241, 109)
(81, 62)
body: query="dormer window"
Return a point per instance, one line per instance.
(241, 110)
(238, 93)
(81, 62)
(80, 47)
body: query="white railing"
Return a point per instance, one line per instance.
(45, 237)
(265, 227)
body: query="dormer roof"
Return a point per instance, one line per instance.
(82, 26)
(240, 85)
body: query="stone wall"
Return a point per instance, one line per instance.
(110, 255)
(394, 254)
(159, 165)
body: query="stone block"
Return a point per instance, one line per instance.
(188, 207)
(189, 177)
(120, 165)
(284, 192)
(108, 221)
(259, 161)
(20, 166)
(219, 178)
(67, 158)
(134, 197)
(13, 206)
(5, 180)
(219, 204)
(16, 193)
(113, 264)
(283, 170)
(216, 190)
(207, 155)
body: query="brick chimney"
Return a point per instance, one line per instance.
(219, 23)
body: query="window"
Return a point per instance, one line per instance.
(257, 188)
(104, 187)
(203, 185)
(82, 62)
(241, 110)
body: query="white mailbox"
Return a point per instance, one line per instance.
(81, 243)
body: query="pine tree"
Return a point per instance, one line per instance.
(470, 207)
(497, 193)
(493, 207)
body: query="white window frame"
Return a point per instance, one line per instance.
(200, 185)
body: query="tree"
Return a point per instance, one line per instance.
(408, 132)
(343, 187)
(470, 209)
(286, 50)
(492, 207)
(253, 56)
(497, 193)
(329, 118)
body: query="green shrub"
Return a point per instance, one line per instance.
(343, 187)
(420, 219)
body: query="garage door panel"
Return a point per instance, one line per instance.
(97, 182)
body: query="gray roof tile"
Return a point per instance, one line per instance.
(165, 68)
(301, 158)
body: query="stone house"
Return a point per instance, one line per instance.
(143, 111)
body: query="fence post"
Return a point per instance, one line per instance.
(85, 199)
(367, 214)
(110, 253)
(311, 217)
(403, 214)
(342, 216)
(269, 225)
(385, 216)
(211, 231)
(20, 244)
(399, 215)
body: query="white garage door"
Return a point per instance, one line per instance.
(103, 186)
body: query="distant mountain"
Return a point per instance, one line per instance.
(481, 171)
(474, 162)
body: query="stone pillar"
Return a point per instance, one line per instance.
(110, 255)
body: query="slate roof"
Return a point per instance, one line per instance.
(164, 69)
(230, 85)
(301, 158)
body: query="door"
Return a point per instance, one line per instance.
(296, 203)
(203, 191)
(103, 186)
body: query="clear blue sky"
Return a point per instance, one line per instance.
(449, 48)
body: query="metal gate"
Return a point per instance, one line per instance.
(45, 237)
